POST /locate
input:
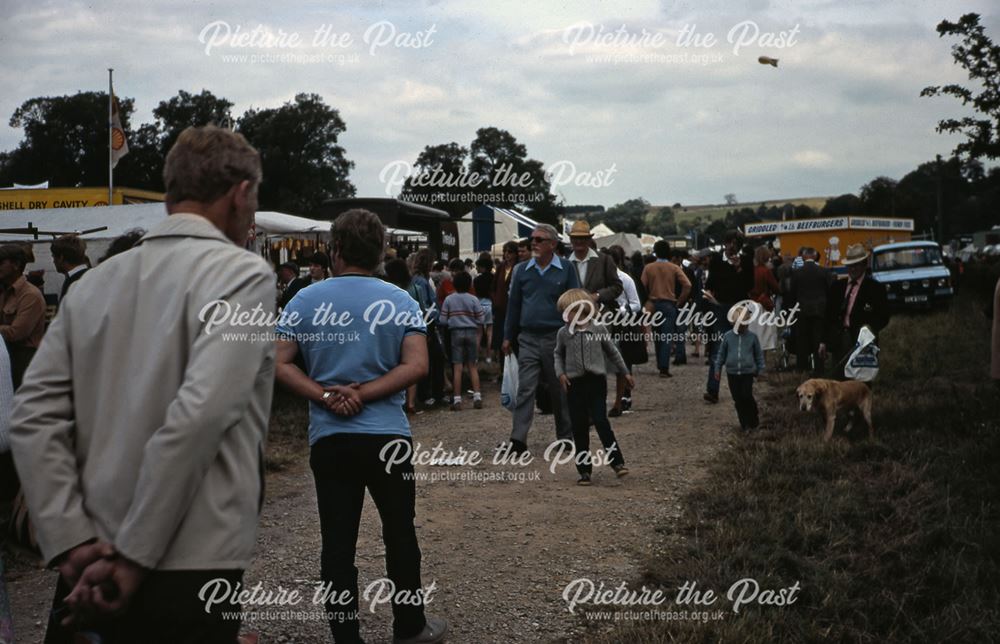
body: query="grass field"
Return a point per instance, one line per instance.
(711, 212)
(891, 540)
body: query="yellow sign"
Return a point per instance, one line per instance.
(34, 199)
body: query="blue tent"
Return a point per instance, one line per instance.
(486, 226)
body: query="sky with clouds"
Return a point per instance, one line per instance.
(635, 90)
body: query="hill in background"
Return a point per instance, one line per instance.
(687, 215)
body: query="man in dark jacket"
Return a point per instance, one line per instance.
(70, 259)
(730, 279)
(291, 283)
(679, 257)
(501, 288)
(597, 271)
(808, 287)
(851, 304)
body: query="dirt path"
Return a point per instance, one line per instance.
(499, 552)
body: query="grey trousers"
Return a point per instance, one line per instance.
(536, 359)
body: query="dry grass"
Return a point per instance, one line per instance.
(892, 540)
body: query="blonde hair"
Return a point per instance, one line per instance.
(740, 314)
(577, 302)
(571, 296)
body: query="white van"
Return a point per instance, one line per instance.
(913, 272)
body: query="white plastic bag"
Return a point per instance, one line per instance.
(508, 388)
(862, 365)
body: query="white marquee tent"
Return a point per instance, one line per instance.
(631, 243)
(601, 230)
(102, 224)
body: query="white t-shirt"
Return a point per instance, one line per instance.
(628, 301)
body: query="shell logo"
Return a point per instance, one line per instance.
(117, 138)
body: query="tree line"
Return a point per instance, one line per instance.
(65, 142)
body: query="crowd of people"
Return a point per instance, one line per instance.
(138, 432)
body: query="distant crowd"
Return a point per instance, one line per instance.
(138, 435)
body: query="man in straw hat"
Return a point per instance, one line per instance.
(597, 271)
(851, 304)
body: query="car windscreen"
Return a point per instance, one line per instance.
(907, 258)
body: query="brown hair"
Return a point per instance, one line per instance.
(206, 162)
(359, 238)
(15, 253)
(423, 261)
(70, 248)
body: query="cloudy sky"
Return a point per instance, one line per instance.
(637, 87)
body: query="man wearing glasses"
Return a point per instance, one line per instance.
(531, 326)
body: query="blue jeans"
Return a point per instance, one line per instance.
(680, 345)
(663, 340)
(716, 332)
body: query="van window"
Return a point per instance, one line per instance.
(907, 258)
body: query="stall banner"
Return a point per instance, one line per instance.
(794, 226)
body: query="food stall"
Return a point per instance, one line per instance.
(831, 235)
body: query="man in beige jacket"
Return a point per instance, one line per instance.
(138, 432)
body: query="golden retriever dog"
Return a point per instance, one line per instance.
(830, 396)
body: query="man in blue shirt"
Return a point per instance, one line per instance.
(363, 343)
(532, 323)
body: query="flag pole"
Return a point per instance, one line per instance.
(110, 139)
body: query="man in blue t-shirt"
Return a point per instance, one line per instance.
(363, 343)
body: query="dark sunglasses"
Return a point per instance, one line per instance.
(539, 240)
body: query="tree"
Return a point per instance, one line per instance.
(495, 170)
(981, 58)
(730, 199)
(143, 167)
(497, 156)
(186, 109)
(916, 194)
(149, 144)
(303, 165)
(878, 197)
(627, 217)
(715, 231)
(65, 140)
(848, 204)
(803, 211)
(743, 216)
(448, 161)
(582, 210)
(661, 223)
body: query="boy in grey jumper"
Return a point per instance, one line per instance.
(581, 349)
(744, 359)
